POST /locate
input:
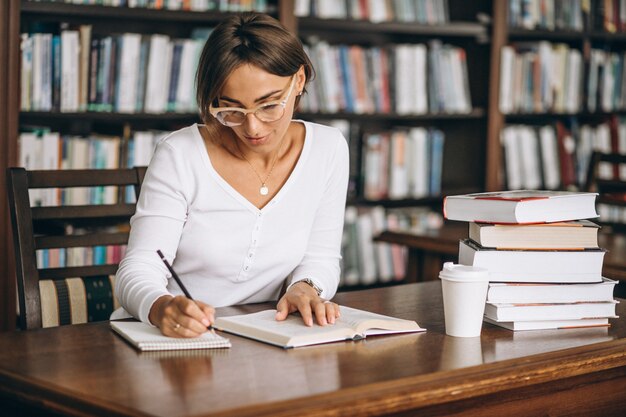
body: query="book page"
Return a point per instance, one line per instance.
(264, 324)
(353, 323)
(367, 323)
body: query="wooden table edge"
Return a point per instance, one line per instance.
(399, 395)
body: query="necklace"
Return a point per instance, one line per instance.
(263, 190)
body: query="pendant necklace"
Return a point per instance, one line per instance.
(263, 190)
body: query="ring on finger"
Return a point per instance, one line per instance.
(177, 326)
(327, 302)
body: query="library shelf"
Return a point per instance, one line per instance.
(451, 29)
(476, 113)
(53, 11)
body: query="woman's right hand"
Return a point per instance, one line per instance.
(181, 317)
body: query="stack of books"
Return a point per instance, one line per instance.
(545, 266)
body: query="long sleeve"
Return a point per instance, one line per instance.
(321, 261)
(157, 224)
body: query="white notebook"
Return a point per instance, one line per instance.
(146, 338)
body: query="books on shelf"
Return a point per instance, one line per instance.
(519, 265)
(539, 77)
(576, 234)
(518, 292)
(353, 324)
(186, 5)
(549, 324)
(520, 206)
(410, 79)
(365, 262)
(563, 311)
(548, 14)
(127, 73)
(429, 12)
(144, 337)
(402, 163)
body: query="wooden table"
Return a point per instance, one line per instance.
(87, 370)
(429, 249)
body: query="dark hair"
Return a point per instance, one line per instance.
(247, 38)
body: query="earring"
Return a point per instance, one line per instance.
(299, 93)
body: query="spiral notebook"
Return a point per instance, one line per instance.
(147, 338)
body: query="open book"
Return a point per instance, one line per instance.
(147, 338)
(353, 324)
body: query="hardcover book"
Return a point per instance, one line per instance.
(532, 312)
(578, 234)
(516, 292)
(521, 206)
(550, 324)
(534, 265)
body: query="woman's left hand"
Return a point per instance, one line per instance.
(303, 298)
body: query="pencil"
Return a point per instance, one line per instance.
(177, 279)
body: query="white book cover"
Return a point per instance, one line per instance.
(602, 143)
(185, 97)
(531, 312)
(518, 293)
(302, 8)
(377, 10)
(520, 206)
(509, 139)
(398, 172)
(367, 255)
(38, 69)
(383, 250)
(158, 74)
(420, 79)
(549, 158)
(574, 81)
(405, 79)
(549, 324)
(330, 76)
(70, 51)
(584, 266)
(531, 170)
(418, 166)
(51, 142)
(128, 72)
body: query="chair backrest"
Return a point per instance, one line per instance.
(78, 246)
(604, 176)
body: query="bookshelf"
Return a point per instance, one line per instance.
(590, 35)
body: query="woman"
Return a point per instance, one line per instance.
(245, 203)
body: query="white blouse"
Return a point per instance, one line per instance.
(226, 250)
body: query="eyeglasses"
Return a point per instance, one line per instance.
(267, 112)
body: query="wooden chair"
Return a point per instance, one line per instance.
(612, 191)
(71, 294)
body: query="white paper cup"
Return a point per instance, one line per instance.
(464, 294)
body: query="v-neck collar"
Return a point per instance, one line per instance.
(236, 194)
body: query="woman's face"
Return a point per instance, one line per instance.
(249, 87)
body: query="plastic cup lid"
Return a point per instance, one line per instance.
(463, 273)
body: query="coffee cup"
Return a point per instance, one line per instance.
(464, 290)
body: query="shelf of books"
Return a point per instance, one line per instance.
(562, 93)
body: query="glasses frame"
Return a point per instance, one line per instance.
(283, 103)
